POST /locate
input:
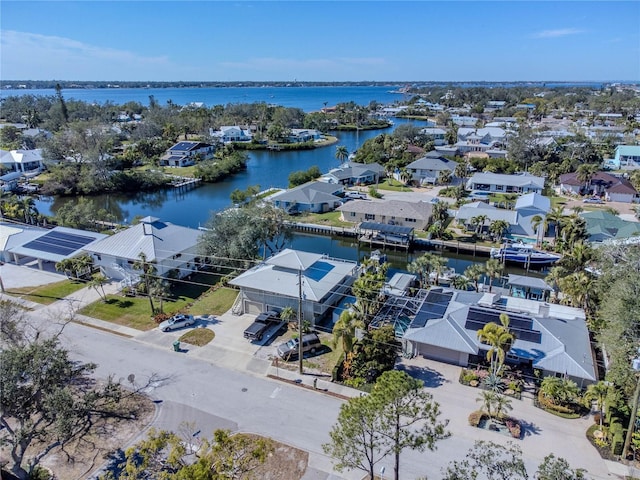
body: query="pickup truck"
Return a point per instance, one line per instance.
(261, 324)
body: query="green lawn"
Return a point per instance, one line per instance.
(198, 336)
(329, 218)
(135, 312)
(393, 185)
(47, 294)
(214, 303)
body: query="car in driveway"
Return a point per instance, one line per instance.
(596, 200)
(289, 350)
(180, 320)
(356, 195)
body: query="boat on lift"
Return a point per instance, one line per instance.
(525, 254)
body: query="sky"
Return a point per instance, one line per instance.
(320, 41)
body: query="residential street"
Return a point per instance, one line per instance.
(225, 385)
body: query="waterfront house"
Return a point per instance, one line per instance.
(443, 325)
(416, 215)
(184, 154)
(613, 188)
(488, 140)
(313, 197)
(231, 133)
(427, 169)
(301, 135)
(503, 183)
(275, 284)
(21, 161)
(352, 173)
(172, 249)
(519, 219)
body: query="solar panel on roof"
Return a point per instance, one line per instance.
(434, 306)
(520, 326)
(59, 243)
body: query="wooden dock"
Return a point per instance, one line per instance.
(184, 183)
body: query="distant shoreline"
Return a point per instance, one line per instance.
(104, 84)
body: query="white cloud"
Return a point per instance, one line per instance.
(34, 56)
(560, 32)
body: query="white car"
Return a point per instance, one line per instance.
(356, 195)
(177, 321)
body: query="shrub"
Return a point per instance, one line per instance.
(514, 427)
(617, 444)
(547, 404)
(161, 317)
(476, 417)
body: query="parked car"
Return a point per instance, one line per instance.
(593, 200)
(180, 320)
(356, 195)
(310, 343)
(261, 324)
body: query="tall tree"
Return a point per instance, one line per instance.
(342, 153)
(493, 269)
(356, 441)
(409, 416)
(148, 273)
(474, 273)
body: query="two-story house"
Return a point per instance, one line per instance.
(184, 154)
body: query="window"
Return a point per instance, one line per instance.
(369, 216)
(410, 220)
(352, 214)
(499, 188)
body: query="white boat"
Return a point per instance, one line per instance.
(378, 256)
(524, 253)
(445, 277)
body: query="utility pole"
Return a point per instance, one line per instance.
(300, 369)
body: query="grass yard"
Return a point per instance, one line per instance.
(214, 302)
(329, 218)
(198, 336)
(135, 312)
(47, 294)
(394, 186)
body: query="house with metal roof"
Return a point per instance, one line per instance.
(427, 169)
(231, 133)
(25, 244)
(550, 337)
(22, 161)
(503, 183)
(172, 249)
(183, 154)
(314, 197)
(416, 215)
(435, 134)
(294, 277)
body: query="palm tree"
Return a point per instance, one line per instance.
(540, 224)
(342, 153)
(461, 171)
(474, 273)
(444, 177)
(438, 264)
(345, 330)
(578, 257)
(440, 212)
(493, 269)
(502, 404)
(499, 339)
(405, 176)
(579, 290)
(585, 174)
(554, 217)
(148, 272)
(498, 228)
(478, 223)
(461, 282)
(598, 392)
(488, 398)
(422, 266)
(560, 391)
(98, 282)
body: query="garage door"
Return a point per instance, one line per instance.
(252, 307)
(440, 354)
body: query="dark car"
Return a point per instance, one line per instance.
(310, 343)
(263, 322)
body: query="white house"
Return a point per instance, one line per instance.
(437, 135)
(503, 183)
(169, 247)
(183, 154)
(23, 161)
(231, 133)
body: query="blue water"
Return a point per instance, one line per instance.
(308, 99)
(194, 207)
